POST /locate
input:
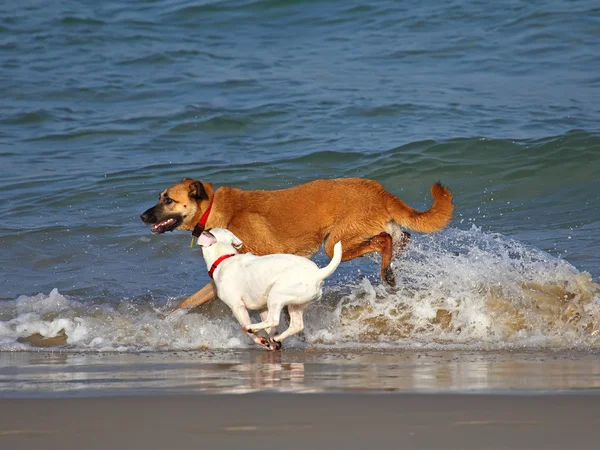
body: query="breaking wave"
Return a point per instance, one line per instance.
(461, 288)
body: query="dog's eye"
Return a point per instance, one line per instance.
(167, 201)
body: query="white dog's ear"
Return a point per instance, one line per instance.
(206, 239)
(236, 242)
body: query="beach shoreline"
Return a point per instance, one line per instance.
(59, 374)
(343, 398)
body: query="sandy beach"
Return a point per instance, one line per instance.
(324, 421)
(297, 399)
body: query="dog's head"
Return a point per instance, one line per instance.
(219, 235)
(179, 206)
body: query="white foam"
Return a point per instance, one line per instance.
(457, 289)
(473, 288)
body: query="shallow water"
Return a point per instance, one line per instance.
(58, 374)
(105, 104)
(461, 289)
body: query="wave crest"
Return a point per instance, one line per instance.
(476, 289)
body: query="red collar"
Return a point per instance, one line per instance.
(217, 262)
(199, 228)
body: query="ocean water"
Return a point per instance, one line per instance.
(107, 103)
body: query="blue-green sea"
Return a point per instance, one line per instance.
(105, 104)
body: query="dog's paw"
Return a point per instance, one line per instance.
(264, 342)
(389, 277)
(275, 345)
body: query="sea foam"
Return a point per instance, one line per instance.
(457, 289)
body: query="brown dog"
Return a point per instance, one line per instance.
(298, 220)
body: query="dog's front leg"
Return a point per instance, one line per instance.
(204, 295)
(272, 320)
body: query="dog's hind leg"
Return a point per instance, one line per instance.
(263, 316)
(296, 322)
(355, 247)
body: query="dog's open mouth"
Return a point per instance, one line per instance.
(166, 225)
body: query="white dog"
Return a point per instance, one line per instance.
(246, 281)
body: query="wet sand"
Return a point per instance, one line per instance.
(313, 421)
(298, 399)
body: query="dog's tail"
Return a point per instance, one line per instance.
(328, 270)
(434, 219)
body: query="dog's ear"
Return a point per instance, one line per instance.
(197, 190)
(206, 239)
(236, 242)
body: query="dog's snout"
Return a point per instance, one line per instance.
(148, 216)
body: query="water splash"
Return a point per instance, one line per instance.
(474, 289)
(461, 288)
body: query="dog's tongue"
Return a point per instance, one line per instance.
(161, 227)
